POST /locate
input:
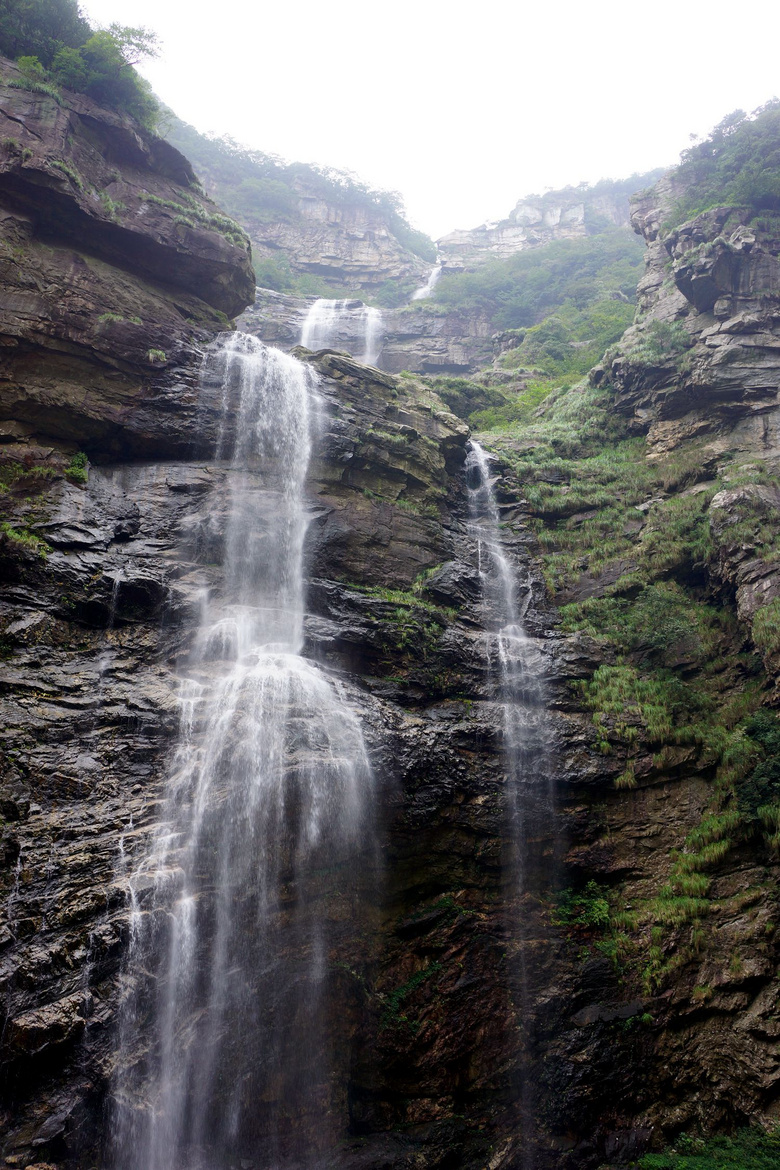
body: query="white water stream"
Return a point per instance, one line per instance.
(426, 289)
(514, 657)
(347, 324)
(518, 671)
(223, 1051)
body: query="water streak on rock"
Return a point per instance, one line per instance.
(518, 670)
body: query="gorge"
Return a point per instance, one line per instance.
(391, 767)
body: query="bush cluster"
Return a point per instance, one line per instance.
(54, 45)
(738, 164)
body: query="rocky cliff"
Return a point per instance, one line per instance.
(309, 223)
(114, 268)
(562, 974)
(350, 248)
(535, 220)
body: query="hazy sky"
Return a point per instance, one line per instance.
(461, 108)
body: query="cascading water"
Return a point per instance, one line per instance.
(224, 1048)
(426, 289)
(518, 676)
(346, 324)
(514, 657)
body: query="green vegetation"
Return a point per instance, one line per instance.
(653, 344)
(191, 213)
(737, 165)
(392, 1002)
(559, 307)
(583, 910)
(76, 471)
(156, 355)
(766, 624)
(748, 1149)
(675, 684)
(54, 45)
(524, 289)
(112, 207)
(34, 79)
(25, 538)
(758, 793)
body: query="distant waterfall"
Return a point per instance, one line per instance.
(426, 289)
(518, 671)
(223, 1051)
(349, 325)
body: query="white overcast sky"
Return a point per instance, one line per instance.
(463, 108)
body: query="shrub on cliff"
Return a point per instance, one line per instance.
(737, 165)
(52, 42)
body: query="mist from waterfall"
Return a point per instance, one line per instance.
(224, 1052)
(347, 325)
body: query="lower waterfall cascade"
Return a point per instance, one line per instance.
(224, 1046)
(344, 324)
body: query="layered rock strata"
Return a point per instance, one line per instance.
(533, 221)
(114, 269)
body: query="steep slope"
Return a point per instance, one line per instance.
(569, 214)
(105, 236)
(314, 231)
(653, 491)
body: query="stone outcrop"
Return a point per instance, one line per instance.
(114, 268)
(701, 368)
(535, 220)
(349, 247)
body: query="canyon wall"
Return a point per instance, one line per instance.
(544, 980)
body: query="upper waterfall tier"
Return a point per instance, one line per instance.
(347, 325)
(426, 289)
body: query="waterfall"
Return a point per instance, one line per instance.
(514, 657)
(426, 289)
(518, 676)
(348, 324)
(224, 1053)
